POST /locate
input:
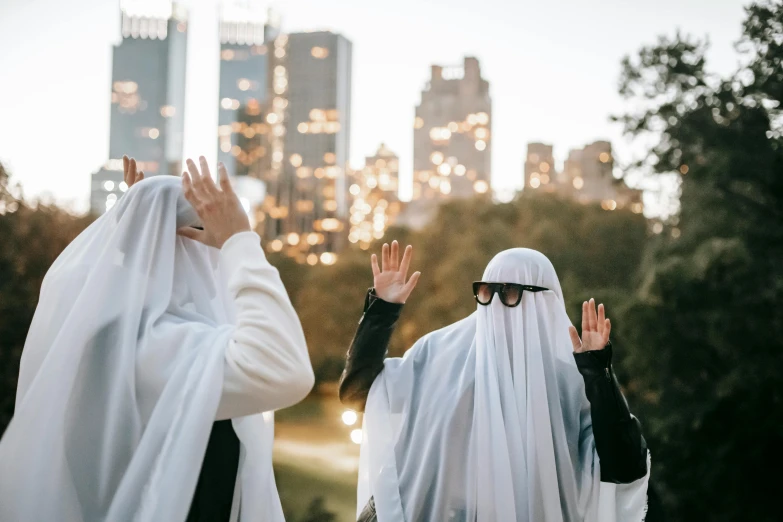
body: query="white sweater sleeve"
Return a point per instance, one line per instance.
(267, 366)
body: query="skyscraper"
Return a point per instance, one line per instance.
(148, 96)
(374, 195)
(245, 89)
(540, 167)
(587, 176)
(451, 140)
(312, 198)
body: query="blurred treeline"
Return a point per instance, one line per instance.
(697, 308)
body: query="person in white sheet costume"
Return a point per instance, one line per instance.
(162, 343)
(489, 419)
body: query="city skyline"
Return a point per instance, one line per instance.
(565, 117)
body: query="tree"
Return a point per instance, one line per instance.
(706, 321)
(596, 252)
(33, 236)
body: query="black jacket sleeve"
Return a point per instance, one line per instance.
(368, 350)
(621, 447)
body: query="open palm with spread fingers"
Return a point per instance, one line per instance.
(129, 172)
(595, 328)
(390, 278)
(219, 208)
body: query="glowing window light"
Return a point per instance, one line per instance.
(329, 258)
(453, 126)
(445, 187)
(544, 167)
(293, 238)
(440, 134)
(319, 52)
(330, 205)
(603, 157)
(436, 158)
(296, 160)
(482, 118)
(312, 238)
(243, 84)
(481, 145)
(683, 169)
(330, 157)
(544, 179)
(472, 119)
(226, 103)
(153, 133)
(356, 436)
(303, 127)
(460, 170)
(249, 132)
(355, 189)
(418, 123)
(312, 259)
(280, 52)
(535, 182)
(276, 245)
(225, 146)
(578, 182)
(167, 111)
(657, 228)
(482, 133)
(481, 186)
(123, 186)
(444, 169)
(331, 224)
(434, 182)
(108, 185)
(609, 204)
(271, 118)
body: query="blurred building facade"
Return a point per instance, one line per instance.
(308, 207)
(245, 90)
(452, 143)
(587, 176)
(147, 99)
(375, 203)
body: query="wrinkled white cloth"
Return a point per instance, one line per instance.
(487, 419)
(141, 340)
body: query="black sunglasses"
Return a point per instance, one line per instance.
(510, 293)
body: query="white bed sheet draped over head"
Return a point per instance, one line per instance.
(487, 419)
(121, 376)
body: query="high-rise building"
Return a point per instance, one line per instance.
(245, 90)
(540, 167)
(148, 96)
(374, 194)
(587, 176)
(310, 203)
(452, 142)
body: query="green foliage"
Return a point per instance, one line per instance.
(706, 325)
(32, 238)
(595, 252)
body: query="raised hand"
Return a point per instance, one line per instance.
(595, 328)
(219, 209)
(129, 172)
(389, 279)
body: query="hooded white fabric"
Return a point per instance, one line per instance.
(487, 419)
(122, 373)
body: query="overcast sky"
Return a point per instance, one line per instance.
(552, 65)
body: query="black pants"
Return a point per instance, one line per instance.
(214, 493)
